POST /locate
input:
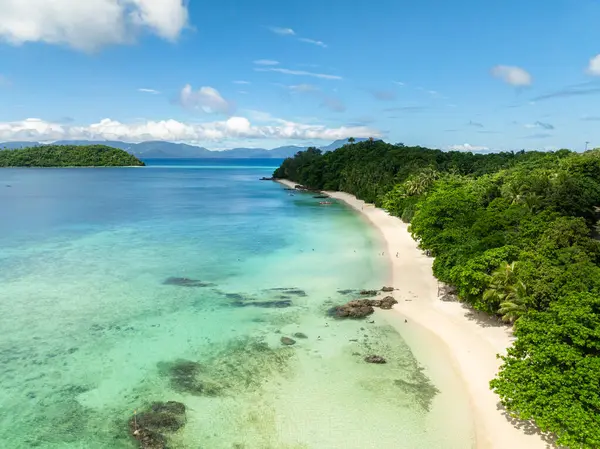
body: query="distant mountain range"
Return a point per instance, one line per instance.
(160, 149)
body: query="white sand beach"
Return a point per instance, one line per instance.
(471, 340)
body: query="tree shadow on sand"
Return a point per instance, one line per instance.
(447, 293)
(483, 319)
(529, 428)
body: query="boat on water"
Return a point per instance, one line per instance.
(325, 203)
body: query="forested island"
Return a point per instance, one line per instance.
(515, 234)
(68, 156)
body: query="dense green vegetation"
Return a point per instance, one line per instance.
(514, 234)
(68, 156)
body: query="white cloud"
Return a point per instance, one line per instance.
(313, 41)
(266, 62)
(172, 130)
(241, 82)
(208, 99)
(299, 73)
(148, 91)
(283, 31)
(594, 66)
(515, 76)
(260, 116)
(399, 83)
(467, 147)
(90, 24)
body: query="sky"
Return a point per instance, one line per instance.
(461, 75)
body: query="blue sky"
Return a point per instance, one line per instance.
(453, 75)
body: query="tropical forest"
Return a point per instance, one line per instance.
(68, 156)
(515, 234)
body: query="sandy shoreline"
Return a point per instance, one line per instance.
(471, 341)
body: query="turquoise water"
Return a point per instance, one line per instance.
(93, 330)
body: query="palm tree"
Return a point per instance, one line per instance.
(532, 201)
(512, 192)
(351, 140)
(500, 284)
(513, 307)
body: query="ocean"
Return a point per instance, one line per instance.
(122, 287)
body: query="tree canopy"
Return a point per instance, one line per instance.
(68, 156)
(514, 233)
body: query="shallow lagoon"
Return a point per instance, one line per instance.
(91, 331)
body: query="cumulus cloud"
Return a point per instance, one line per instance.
(241, 82)
(467, 147)
(594, 66)
(299, 73)
(283, 31)
(313, 41)
(90, 24)
(265, 62)
(33, 129)
(148, 91)
(207, 99)
(515, 76)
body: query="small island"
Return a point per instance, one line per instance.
(68, 156)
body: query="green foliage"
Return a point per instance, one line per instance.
(371, 169)
(68, 156)
(551, 373)
(513, 232)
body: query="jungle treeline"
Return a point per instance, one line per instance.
(514, 234)
(68, 156)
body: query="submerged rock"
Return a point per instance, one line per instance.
(228, 368)
(300, 335)
(185, 376)
(387, 289)
(147, 438)
(368, 292)
(377, 359)
(186, 282)
(296, 291)
(235, 296)
(345, 292)
(288, 291)
(287, 341)
(278, 304)
(161, 417)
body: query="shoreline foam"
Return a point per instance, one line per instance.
(470, 340)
